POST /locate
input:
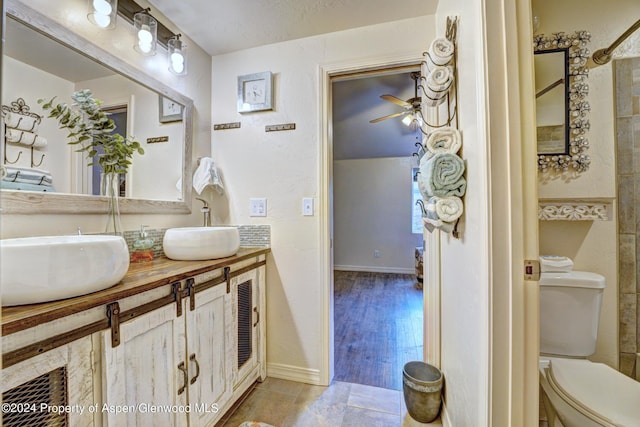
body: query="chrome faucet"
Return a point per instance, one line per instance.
(206, 211)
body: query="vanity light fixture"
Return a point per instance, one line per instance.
(146, 28)
(177, 52)
(102, 13)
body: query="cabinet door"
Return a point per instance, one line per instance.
(145, 377)
(60, 377)
(209, 355)
(246, 307)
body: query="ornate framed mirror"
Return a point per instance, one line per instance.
(159, 181)
(561, 101)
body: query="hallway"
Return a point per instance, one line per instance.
(378, 327)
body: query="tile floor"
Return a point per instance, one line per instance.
(291, 404)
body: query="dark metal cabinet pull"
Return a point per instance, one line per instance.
(255, 310)
(195, 377)
(185, 377)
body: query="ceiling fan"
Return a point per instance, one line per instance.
(411, 106)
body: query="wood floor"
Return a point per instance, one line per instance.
(378, 327)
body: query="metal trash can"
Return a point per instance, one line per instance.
(422, 387)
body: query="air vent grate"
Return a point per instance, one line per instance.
(37, 402)
(245, 322)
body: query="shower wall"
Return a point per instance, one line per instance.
(627, 86)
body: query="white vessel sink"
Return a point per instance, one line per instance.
(39, 269)
(200, 243)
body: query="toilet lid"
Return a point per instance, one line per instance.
(599, 389)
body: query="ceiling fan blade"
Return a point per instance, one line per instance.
(379, 119)
(396, 101)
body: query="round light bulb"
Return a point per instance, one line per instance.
(102, 21)
(102, 7)
(177, 62)
(144, 46)
(144, 35)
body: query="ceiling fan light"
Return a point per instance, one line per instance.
(408, 119)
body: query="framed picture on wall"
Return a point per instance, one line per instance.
(255, 92)
(170, 110)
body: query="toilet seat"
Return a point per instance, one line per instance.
(596, 390)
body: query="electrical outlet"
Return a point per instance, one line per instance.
(307, 206)
(376, 254)
(258, 207)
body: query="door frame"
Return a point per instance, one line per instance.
(326, 73)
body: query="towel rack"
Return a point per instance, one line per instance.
(19, 106)
(449, 107)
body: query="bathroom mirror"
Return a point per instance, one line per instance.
(42, 59)
(561, 101)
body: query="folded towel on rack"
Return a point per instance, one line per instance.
(443, 140)
(25, 138)
(28, 176)
(207, 175)
(22, 186)
(442, 175)
(440, 53)
(21, 121)
(436, 85)
(431, 224)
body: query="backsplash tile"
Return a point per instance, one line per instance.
(250, 236)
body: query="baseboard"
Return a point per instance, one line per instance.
(294, 373)
(444, 416)
(375, 269)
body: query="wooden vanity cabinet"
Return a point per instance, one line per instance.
(171, 370)
(168, 358)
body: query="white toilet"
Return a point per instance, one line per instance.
(578, 392)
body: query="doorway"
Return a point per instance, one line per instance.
(378, 301)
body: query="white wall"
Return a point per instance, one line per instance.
(372, 211)
(285, 166)
(20, 80)
(196, 85)
(593, 246)
(164, 157)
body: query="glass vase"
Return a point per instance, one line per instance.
(111, 189)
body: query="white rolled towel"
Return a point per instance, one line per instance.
(440, 53)
(448, 208)
(25, 138)
(21, 121)
(444, 140)
(441, 213)
(436, 85)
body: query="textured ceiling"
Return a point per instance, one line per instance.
(223, 26)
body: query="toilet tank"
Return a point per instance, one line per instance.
(569, 312)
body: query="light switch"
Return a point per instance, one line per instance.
(307, 206)
(258, 207)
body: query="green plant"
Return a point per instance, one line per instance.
(91, 128)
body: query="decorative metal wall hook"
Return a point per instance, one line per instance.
(34, 164)
(452, 28)
(6, 160)
(421, 204)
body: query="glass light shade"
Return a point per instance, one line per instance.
(408, 119)
(177, 56)
(103, 13)
(146, 28)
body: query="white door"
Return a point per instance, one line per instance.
(209, 354)
(145, 378)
